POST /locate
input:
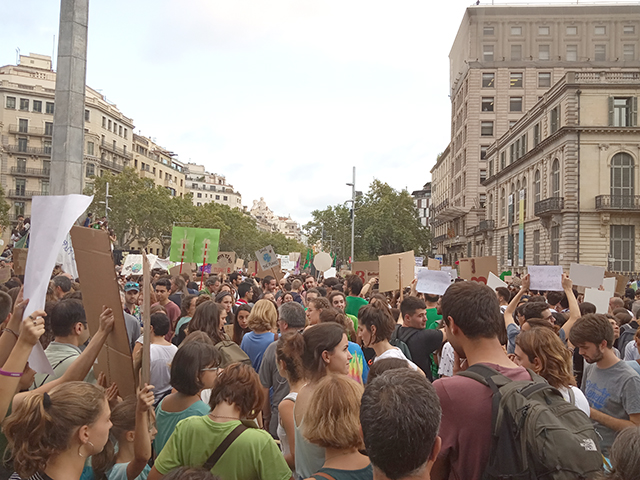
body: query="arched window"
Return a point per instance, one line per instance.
(536, 187)
(622, 175)
(555, 178)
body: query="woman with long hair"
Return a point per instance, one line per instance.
(358, 368)
(187, 309)
(241, 323)
(225, 300)
(209, 318)
(542, 351)
(51, 434)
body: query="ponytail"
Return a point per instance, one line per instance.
(289, 350)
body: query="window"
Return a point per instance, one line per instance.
(24, 104)
(572, 30)
(487, 53)
(536, 134)
(47, 147)
(11, 103)
(622, 180)
(600, 30)
(21, 186)
(22, 144)
(572, 53)
(629, 29)
(516, 31)
(109, 125)
(87, 115)
(516, 52)
(623, 111)
(487, 31)
(555, 245)
(104, 122)
(555, 178)
(90, 170)
(199, 195)
(217, 197)
(629, 52)
(483, 152)
(503, 160)
(483, 175)
(154, 171)
(544, 52)
(120, 130)
(515, 104)
(502, 204)
(543, 30)
(487, 104)
(49, 108)
(48, 128)
(21, 166)
(536, 247)
(23, 125)
(91, 149)
(555, 119)
(486, 128)
(18, 208)
(125, 133)
(225, 198)
(488, 80)
(544, 79)
(600, 53)
(622, 248)
(37, 106)
(515, 80)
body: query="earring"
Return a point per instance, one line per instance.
(80, 449)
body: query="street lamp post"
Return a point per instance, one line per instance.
(353, 212)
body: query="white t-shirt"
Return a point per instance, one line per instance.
(395, 352)
(445, 369)
(580, 400)
(160, 370)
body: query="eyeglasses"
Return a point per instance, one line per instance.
(210, 369)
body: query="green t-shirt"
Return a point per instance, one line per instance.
(354, 304)
(432, 318)
(166, 421)
(254, 455)
(354, 319)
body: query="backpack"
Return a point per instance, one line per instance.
(401, 344)
(231, 353)
(536, 434)
(627, 332)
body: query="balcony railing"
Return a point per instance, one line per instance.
(618, 202)
(486, 225)
(24, 193)
(439, 239)
(548, 206)
(30, 130)
(112, 165)
(116, 150)
(45, 151)
(30, 172)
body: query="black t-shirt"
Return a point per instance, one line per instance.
(421, 343)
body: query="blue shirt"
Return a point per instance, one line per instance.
(254, 344)
(166, 421)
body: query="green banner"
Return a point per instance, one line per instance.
(194, 245)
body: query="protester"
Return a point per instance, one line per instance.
(404, 401)
(611, 385)
(353, 287)
(211, 286)
(269, 285)
(241, 323)
(209, 318)
(635, 364)
(61, 286)
(315, 306)
(162, 288)
(291, 318)
(187, 309)
(326, 351)
(131, 296)
(625, 461)
(245, 294)
(262, 322)
(178, 290)
(339, 300)
(51, 434)
(381, 366)
(133, 435)
(540, 350)
(187, 473)
(332, 422)
(358, 366)
(225, 300)
(236, 395)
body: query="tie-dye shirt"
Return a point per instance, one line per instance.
(358, 368)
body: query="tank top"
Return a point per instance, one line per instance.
(309, 457)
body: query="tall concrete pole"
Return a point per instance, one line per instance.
(68, 119)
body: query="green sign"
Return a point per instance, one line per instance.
(194, 245)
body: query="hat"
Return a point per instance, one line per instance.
(131, 286)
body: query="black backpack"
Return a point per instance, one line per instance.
(401, 344)
(536, 433)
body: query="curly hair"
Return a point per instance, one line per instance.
(554, 357)
(239, 385)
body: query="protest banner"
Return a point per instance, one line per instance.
(586, 275)
(433, 264)
(225, 264)
(322, 261)
(621, 281)
(600, 298)
(330, 273)
(239, 264)
(396, 271)
(450, 270)
(477, 268)
(609, 284)
(197, 245)
(20, 260)
(100, 287)
(434, 282)
(545, 277)
(366, 270)
(494, 281)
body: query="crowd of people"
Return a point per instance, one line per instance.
(291, 378)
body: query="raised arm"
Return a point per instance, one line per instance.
(142, 440)
(574, 308)
(11, 331)
(513, 304)
(368, 286)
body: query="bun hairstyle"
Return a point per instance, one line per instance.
(289, 350)
(123, 418)
(43, 424)
(331, 314)
(317, 339)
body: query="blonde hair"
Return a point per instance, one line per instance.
(554, 357)
(332, 419)
(36, 432)
(263, 316)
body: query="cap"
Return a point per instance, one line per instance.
(131, 286)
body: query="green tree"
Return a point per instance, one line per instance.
(4, 211)
(332, 226)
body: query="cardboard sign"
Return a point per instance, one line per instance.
(600, 298)
(366, 270)
(5, 273)
(434, 282)
(396, 271)
(239, 264)
(100, 287)
(267, 258)
(586, 275)
(331, 273)
(187, 268)
(226, 263)
(477, 268)
(621, 281)
(546, 277)
(433, 264)
(254, 268)
(494, 281)
(20, 260)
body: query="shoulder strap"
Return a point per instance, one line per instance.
(405, 335)
(486, 375)
(572, 396)
(53, 367)
(323, 475)
(215, 456)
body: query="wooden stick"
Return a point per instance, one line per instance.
(146, 320)
(400, 279)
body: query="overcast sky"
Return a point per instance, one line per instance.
(283, 97)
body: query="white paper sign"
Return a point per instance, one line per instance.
(494, 281)
(610, 284)
(586, 275)
(546, 277)
(600, 298)
(51, 219)
(434, 282)
(330, 273)
(451, 271)
(67, 258)
(267, 258)
(419, 261)
(286, 263)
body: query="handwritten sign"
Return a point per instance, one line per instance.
(267, 258)
(434, 282)
(366, 270)
(586, 275)
(226, 263)
(546, 277)
(478, 268)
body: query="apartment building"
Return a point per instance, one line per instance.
(267, 221)
(502, 62)
(422, 199)
(27, 96)
(159, 164)
(210, 187)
